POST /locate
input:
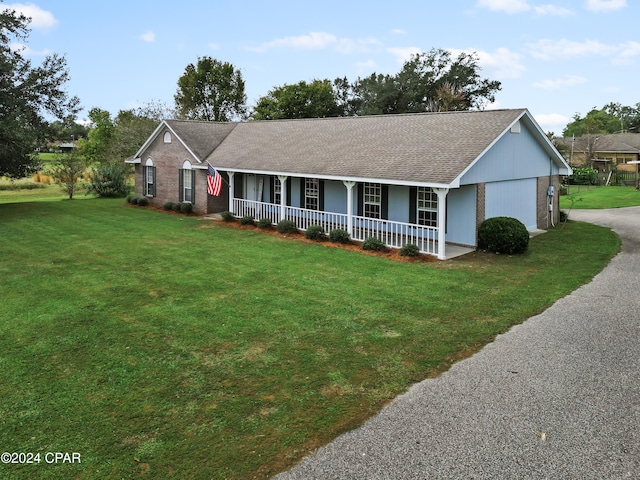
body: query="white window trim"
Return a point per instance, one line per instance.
(372, 197)
(312, 192)
(429, 203)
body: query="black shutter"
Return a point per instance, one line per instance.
(193, 187)
(289, 184)
(237, 185)
(153, 186)
(413, 204)
(321, 195)
(303, 188)
(384, 200)
(272, 190)
(180, 185)
(144, 180)
(360, 200)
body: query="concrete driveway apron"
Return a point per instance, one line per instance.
(557, 397)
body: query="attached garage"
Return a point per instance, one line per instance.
(512, 198)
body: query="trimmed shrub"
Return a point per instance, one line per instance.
(227, 216)
(247, 220)
(563, 216)
(374, 244)
(186, 207)
(130, 198)
(108, 180)
(314, 232)
(177, 207)
(286, 226)
(503, 235)
(339, 235)
(168, 205)
(143, 201)
(410, 250)
(264, 223)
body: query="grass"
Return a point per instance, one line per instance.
(581, 196)
(168, 347)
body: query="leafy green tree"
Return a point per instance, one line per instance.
(95, 148)
(68, 170)
(211, 90)
(593, 123)
(430, 81)
(28, 94)
(109, 180)
(301, 100)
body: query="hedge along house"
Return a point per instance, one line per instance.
(427, 179)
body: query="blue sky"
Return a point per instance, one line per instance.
(554, 57)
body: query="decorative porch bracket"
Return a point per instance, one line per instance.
(442, 218)
(349, 185)
(231, 190)
(283, 196)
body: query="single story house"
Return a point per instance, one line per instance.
(427, 179)
(606, 150)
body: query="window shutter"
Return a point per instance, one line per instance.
(153, 187)
(303, 190)
(321, 195)
(360, 199)
(193, 187)
(384, 202)
(289, 184)
(413, 204)
(144, 180)
(272, 189)
(181, 185)
(237, 185)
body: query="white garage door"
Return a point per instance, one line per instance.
(513, 198)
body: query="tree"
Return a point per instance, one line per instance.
(301, 100)
(28, 94)
(430, 81)
(67, 172)
(211, 90)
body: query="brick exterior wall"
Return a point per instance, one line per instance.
(543, 219)
(480, 206)
(168, 159)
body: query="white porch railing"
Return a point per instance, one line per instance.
(393, 234)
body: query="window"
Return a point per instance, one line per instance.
(149, 179)
(187, 183)
(311, 193)
(167, 137)
(427, 207)
(372, 200)
(277, 191)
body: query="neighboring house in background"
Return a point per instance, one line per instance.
(427, 179)
(607, 150)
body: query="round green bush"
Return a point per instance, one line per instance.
(168, 205)
(286, 226)
(246, 220)
(410, 250)
(339, 235)
(264, 223)
(314, 232)
(130, 198)
(564, 216)
(186, 207)
(374, 244)
(227, 216)
(143, 201)
(177, 207)
(503, 235)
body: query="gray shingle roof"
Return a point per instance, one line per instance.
(429, 147)
(615, 142)
(201, 137)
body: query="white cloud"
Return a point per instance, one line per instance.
(25, 51)
(621, 54)
(605, 5)
(507, 6)
(404, 54)
(551, 10)
(399, 31)
(40, 19)
(214, 46)
(501, 64)
(368, 66)
(552, 122)
(320, 41)
(148, 36)
(558, 83)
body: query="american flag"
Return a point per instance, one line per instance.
(214, 181)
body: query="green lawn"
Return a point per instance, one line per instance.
(169, 347)
(582, 196)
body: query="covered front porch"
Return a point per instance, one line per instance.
(430, 239)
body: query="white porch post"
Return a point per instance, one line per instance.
(349, 185)
(283, 195)
(442, 219)
(231, 190)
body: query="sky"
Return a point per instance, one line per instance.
(557, 58)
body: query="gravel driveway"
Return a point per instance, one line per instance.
(557, 397)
